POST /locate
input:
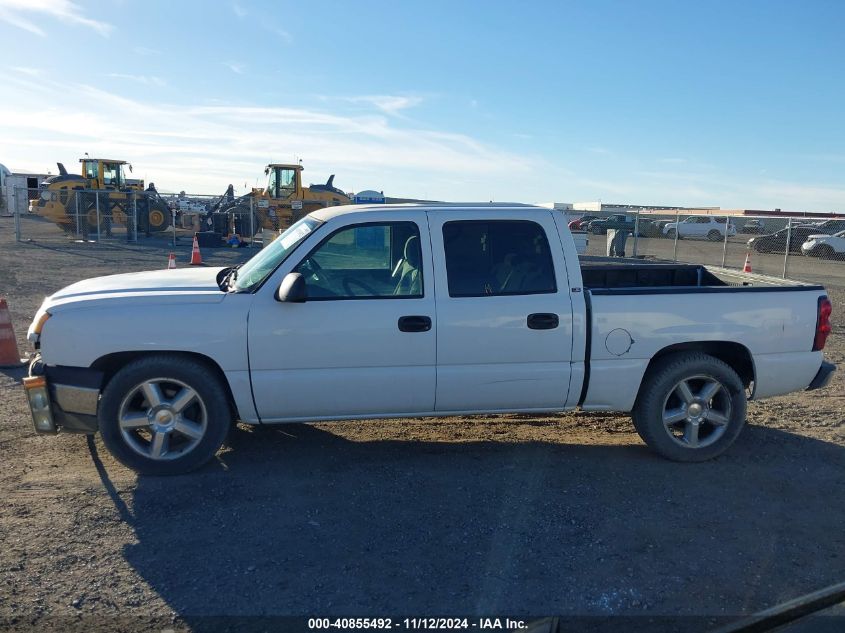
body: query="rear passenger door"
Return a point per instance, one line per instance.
(504, 311)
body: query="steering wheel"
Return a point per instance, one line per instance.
(310, 267)
(348, 282)
(312, 264)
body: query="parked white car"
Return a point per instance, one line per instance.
(700, 226)
(823, 245)
(390, 311)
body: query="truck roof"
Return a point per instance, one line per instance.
(104, 160)
(331, 212)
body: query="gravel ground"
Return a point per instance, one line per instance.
(566, 514)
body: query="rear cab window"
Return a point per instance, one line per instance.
(497, 257)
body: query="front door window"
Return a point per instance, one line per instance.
(366, 261)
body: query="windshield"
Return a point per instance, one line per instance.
(257, 269)
(89, 169)
(281, 182)
(111, 174)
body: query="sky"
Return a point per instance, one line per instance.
(730, 104)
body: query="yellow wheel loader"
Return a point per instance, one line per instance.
(72, 201)
(278, 205)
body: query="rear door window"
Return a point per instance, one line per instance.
(497, 257)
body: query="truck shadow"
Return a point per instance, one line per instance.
(299, 521)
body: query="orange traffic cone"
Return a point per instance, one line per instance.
(746, 268)
(196, 258)
(9, 355)
(171, 261)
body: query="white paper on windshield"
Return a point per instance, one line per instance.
(299, 232)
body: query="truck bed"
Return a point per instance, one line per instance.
(605, 274)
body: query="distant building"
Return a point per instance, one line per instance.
(18, 188)
(368, 196)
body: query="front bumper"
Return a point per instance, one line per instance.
(823, 376)
(63, 398)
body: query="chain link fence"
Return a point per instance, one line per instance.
(807, 248)
(134, 216)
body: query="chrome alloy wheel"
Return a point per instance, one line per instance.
(697, 411)
(162, 419)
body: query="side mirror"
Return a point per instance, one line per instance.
(292, 289)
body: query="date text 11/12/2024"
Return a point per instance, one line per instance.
(503, 624)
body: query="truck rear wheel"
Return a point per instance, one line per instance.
(691, 407)
(164, 415)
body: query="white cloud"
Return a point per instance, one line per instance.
(20, 22)
(28, 70)
(389, 104)
(202, 148)
(147, 80)
(264, 22)
(285, 36)
(235, 67)
(16, 13)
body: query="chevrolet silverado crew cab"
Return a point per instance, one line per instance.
(393, 311)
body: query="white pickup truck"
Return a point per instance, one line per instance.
(395, 311)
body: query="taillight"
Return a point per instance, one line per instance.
(822, 324)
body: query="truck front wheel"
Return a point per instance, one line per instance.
(691, 407)
(164, 415)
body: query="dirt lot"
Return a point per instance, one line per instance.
(522, 515)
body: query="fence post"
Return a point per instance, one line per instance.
(788, 244)
(251, 224)
(677, 232)
(76, 202)
(725, 244)
(636, 231)
(134, 216)
(172, 221)
(17, 214)
(98, 216)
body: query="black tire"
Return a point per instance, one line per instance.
(671, 234)
(714, 236)
(658, 393)
(158, 218)
(183, 453)
(825, 251)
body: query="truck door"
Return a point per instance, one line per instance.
(363, 343)
(504, 311)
